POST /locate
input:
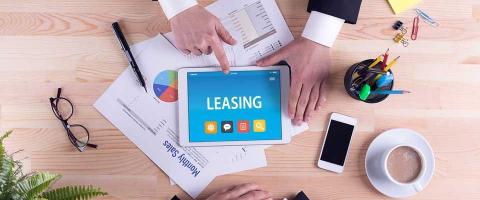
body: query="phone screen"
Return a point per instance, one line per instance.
(336, 144)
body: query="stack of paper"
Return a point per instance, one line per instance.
(151, 122)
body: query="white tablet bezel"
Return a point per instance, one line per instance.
(184, 139)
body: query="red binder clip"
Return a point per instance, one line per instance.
(414, 28)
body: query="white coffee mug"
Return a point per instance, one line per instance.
(416, 182)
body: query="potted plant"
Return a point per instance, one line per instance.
(14, 185)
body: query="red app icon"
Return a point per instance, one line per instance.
(243, 126)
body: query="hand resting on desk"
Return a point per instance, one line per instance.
(248, 191)
(310, 64)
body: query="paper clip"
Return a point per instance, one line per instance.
(427, 18)
(415, 28)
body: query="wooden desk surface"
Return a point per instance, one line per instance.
(54, 43)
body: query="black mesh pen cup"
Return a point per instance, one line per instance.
(359, 74)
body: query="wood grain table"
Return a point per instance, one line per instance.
(45, 44)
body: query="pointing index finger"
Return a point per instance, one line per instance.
(217, 48)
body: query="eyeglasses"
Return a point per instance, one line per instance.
(63, 110)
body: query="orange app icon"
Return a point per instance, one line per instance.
(210, 127)
(243, 126)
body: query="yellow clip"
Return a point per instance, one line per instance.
(399, 38)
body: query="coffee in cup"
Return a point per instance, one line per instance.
(404, 164)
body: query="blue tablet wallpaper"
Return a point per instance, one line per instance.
(240, 106)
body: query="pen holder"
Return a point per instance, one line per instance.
(355, 78)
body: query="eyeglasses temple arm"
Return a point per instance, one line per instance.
(59, 92)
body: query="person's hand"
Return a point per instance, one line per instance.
(199, 32)
(248, 191)
(310, 63)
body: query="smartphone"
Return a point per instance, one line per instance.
(337, 141)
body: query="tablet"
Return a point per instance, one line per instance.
(247, 106)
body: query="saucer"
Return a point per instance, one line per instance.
(389, 139)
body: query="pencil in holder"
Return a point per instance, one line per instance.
(359, 74)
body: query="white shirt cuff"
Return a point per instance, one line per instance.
(173, 7)
(322, 28)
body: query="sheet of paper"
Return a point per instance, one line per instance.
(151, 123)
(259, 23)
(142, 121)
(259, 32)
(251, 157)
(150, 120)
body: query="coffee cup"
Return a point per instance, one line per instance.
(404, 165)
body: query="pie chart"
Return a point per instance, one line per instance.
(165, 86)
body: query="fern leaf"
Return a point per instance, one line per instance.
(73, 193)
(23, 177)
(7, 179)
(32, 186)
(3, 156)
(5, 136)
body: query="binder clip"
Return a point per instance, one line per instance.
(399, 26)
(399, 38)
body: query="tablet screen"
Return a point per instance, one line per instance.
(240, 106)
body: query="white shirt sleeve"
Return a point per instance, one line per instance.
(322, 28)
(173, 7)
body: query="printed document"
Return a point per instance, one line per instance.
(149, 120)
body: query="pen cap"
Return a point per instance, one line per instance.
(357, 76)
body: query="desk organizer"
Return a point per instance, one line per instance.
(354, 77)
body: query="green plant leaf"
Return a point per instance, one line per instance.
(3, 155)
(7, 173)
(32, 186)
(7, 179)
(14, 185)
(5, 136)
(73, 193)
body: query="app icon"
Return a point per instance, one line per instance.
(259, 125)
(210, 127)
(243, 126)
(227, 126)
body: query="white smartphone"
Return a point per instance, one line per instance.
(337, 141)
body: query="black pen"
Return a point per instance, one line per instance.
(126, 49)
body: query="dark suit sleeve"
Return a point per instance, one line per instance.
(344, 9)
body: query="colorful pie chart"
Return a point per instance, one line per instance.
(165, 86)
